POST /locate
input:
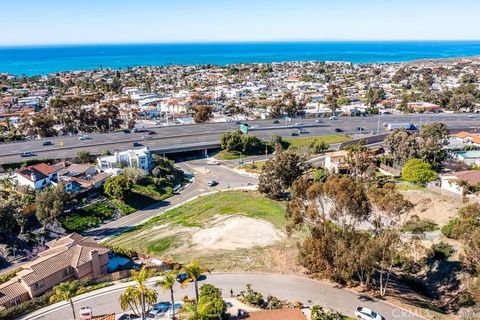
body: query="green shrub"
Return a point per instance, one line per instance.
(88, 217)
(451, 229)
(441, 250)
(417, 225)
(9, 275)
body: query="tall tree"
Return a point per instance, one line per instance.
(50, 203)
(167, 283)
(66, 291)
(202, 114)
(194, 270)
(138, 297)
(279, 173)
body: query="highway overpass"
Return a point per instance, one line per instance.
(174, 139)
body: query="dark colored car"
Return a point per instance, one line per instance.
(338, 130)
(151, 132)
(47, 143)
(126, 131)
(276, 121)
(182, 277)
(137, 144)
(293, 134)
(360, 129)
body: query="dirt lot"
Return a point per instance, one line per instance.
(430, 204)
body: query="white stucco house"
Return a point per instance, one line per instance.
(450, 181)
(38, 176)
(139, 158)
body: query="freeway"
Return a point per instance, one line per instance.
(166, 137)
(285, 287)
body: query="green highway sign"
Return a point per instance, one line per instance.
(244, 128)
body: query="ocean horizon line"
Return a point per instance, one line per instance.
(233, 42)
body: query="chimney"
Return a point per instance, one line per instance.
(96, 265)
(33, 176)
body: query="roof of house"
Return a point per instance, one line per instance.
(470, 176)
(40, 170)
(11, 289)
(463, 134)
(73, 250)
(105, 317)
(283, 314)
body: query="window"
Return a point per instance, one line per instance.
(15, 302)
(68, 271)
(38, 285)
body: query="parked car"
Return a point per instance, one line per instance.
(276, 121)
(158, 310)
(182, 277)
(26, 154)
(212, 183)
(47, 143)
(83, 137)
(367, 314)
(137, 144)
(338, 130)
(333, 118)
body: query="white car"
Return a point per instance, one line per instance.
(333, 118)
(212, 183)
(83, 137)
(213, 162)
(367, 314)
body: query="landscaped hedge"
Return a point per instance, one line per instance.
(26, 307)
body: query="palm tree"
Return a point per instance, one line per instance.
(139, 295)
(194, 270)
(66, 291)
(167, 283)
(202, 311)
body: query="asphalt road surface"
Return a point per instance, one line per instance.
(284, 287)
(226, 177)
(67, 147)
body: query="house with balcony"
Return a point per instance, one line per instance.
(138, 158)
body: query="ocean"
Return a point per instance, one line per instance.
(40, 60)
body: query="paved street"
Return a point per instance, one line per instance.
(286, 287)
(226, 178)
(65, 147)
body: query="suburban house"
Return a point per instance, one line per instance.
(38, 176)
(450, 181)
(77, 177)
(424, 107)
(335, 161)
(68, 258)
(139, 158)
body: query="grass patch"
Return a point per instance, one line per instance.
(148, 237)
(227, 155)
(253, 167)
(250, 204)
(295, 143)
(9, 275)
(160, 246)
(405, 185)
(142, 197)
(89, 217)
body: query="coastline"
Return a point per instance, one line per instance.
(44, 60)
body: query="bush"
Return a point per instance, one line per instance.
(253, 298)
(9, 275)
(451, 229)
(441, 250)
(417, 225)
(88, 217)
(418, 171)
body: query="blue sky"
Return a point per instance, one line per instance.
(25, 22)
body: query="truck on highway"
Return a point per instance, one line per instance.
(404, 125)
